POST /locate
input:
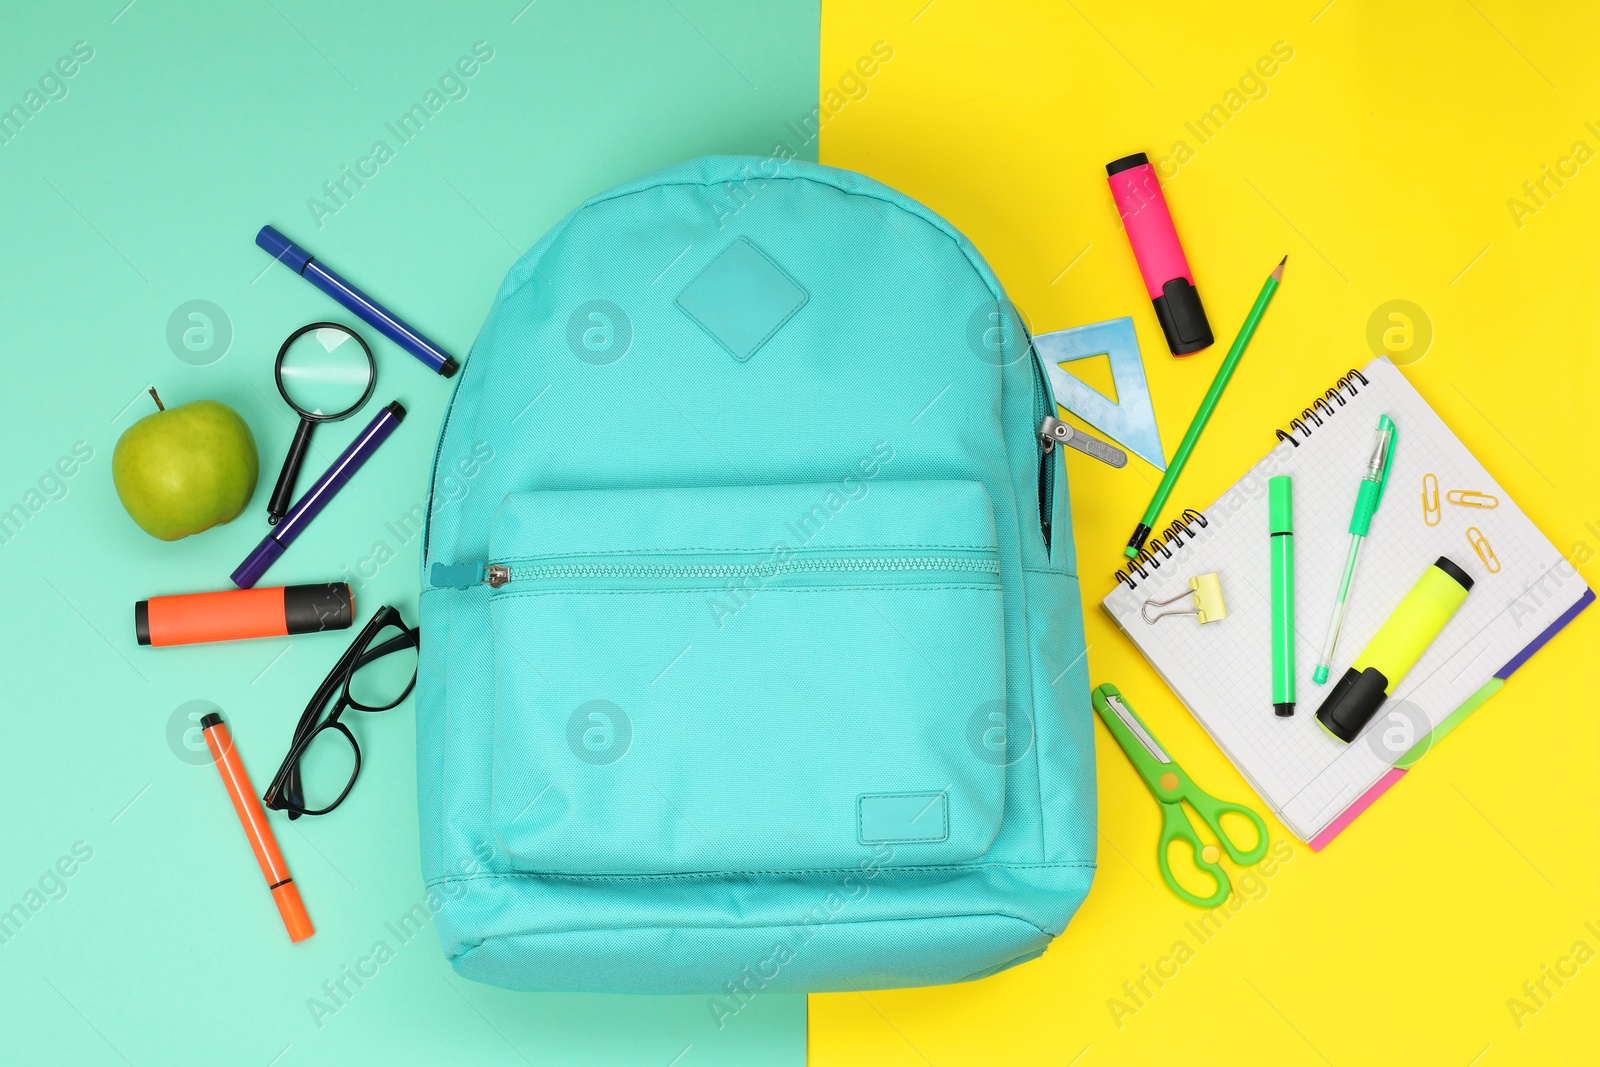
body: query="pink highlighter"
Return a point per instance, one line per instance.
(1155, 246)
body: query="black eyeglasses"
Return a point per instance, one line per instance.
(376, 673)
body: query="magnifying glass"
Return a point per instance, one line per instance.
(325, 373)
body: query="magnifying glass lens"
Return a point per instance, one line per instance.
(325, 372)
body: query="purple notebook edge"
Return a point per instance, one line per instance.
(1549, 631)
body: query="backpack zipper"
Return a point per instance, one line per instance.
(1049, 433)
(1043, 418)
(498, 575)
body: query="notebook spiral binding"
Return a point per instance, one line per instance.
(1148, 559)
(1323, 407)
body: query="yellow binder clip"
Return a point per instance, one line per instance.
(1430, 499)
(1480, 545)
(1468, 499)
(1206, 589)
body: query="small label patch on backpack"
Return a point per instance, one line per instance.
(901, 818)
(742, 298)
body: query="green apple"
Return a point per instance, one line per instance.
(185, 469)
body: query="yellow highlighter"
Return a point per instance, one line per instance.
(1394, 650)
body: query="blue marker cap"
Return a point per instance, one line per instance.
(281, 248)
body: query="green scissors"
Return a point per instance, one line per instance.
(1172, 788)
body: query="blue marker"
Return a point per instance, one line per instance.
(356, 302)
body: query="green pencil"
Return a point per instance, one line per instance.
(1201, 417)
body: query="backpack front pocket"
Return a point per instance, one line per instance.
(769, 678)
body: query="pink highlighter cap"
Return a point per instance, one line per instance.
(1162, 264)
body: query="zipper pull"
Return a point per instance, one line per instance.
(455, 575)
(1053, 431)
(467, 575)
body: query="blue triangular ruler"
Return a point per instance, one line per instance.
(1131, 421)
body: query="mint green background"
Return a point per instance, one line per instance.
(142, 189)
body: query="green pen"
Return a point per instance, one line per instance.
(1280, 527)
(1368, 497)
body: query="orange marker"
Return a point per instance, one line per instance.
(254, 821)
(235, 614)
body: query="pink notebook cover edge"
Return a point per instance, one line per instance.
(1361, 804)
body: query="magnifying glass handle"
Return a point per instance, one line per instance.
(283, 492)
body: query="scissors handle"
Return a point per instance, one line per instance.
(1175, 826)
(1211, 810)
(1177, 788)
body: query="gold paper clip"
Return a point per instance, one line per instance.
(1468, 499)
(1206, 589)
(1480, 545)
(1430, 499)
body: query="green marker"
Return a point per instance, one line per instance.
(1280, 525)
(1368, 497)
(1201, 417)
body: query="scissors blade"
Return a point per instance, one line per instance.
(1135, 727)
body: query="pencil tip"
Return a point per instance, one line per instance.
(1282, 261)
(1277, 272)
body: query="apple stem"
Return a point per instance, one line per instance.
(157, 398)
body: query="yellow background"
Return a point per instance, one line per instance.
(1381, 158)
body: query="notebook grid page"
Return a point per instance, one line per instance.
(1222, 670)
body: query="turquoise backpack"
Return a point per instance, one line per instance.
(753, 657)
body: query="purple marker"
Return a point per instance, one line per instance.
(356, 302)
(316, 498)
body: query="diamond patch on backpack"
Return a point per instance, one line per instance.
(742, 298)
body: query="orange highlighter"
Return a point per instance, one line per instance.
(237, 614)
(254, 821)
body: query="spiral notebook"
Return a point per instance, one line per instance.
(1524, 591)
